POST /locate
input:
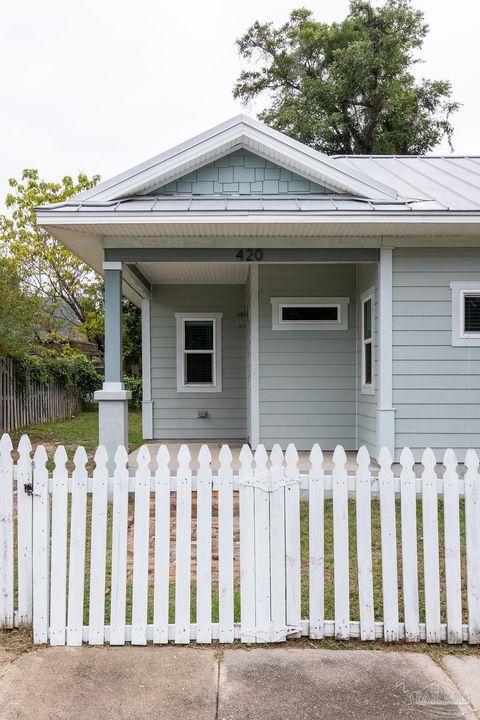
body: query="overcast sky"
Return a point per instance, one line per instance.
(101, 85)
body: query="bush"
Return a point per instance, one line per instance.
(135, 387)
(74, 370)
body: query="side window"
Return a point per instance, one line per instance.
(465, 313)
(199, 352)
(368, 357)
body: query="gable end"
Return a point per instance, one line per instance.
(244, 173)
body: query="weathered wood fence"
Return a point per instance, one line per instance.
(239, 556)
(20, 406)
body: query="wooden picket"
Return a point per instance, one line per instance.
(132, 533)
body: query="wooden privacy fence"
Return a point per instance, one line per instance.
(21, 405)
(257, 556)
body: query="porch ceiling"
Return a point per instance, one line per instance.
(196, 273)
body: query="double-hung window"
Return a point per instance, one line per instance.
(368, 359)
(199, 364)
(465, 313)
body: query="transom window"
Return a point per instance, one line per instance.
(367, 301)
(465, 313)
(198, 352)
(310, 313)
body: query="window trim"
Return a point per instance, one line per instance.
(278, 303)
(367, 388)
(216, 386)
(459, 289)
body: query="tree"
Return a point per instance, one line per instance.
(47, 267)
(348, 87)
(22, 315)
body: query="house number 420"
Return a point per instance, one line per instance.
(250, 255)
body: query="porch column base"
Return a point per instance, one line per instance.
(113, 417)
(386, 429)
(147, 419)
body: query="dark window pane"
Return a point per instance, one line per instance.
(199, 368)
(310, 314)
(368, 363)
(199, 335)
(367, 320)
(472, 313)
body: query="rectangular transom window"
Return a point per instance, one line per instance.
(310, 313)
(465, 313)
(199, 352)
(367, 305)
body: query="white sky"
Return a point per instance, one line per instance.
(100, 85)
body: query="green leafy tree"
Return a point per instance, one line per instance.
(348, 87)
(22, 315)
(47, 267)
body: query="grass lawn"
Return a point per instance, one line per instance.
(82, 429)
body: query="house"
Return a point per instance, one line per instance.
(288, 296)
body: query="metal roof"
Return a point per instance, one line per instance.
(449, 182)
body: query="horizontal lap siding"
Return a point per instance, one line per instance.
(436, 387)
(307, 378)
(175, 414)
(366, 404)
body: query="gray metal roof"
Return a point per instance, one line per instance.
(426, 184)
(449, 182)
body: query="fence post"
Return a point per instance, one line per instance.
(6, 532)
(41, 546)
(25, 522)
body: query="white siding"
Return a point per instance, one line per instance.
(436, 387)
(366, 404)
(307, 378)
(175, 414)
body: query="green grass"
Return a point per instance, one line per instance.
(82, 429)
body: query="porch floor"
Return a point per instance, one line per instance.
(235, 446)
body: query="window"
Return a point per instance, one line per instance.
(199, 352)
(310, 313)
(465, 313)
(367, 306)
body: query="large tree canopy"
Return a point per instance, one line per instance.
(348, 87)
(48, 268)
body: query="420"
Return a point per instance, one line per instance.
(250, 255)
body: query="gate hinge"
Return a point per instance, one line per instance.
(28, 488)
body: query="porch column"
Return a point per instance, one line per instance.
(113, 398)
(385, 409)
(253, 403)
(147, 404)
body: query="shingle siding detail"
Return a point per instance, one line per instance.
(244, 173)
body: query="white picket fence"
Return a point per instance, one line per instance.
(87, 551)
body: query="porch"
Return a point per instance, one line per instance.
(267, 379)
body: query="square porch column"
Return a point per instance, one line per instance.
(113, 398)
(385, 409)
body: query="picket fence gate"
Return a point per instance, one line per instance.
(51, 520)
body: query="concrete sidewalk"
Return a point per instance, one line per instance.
(287, 683)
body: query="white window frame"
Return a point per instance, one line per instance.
(278, 303)
(367, 388)
(459, 289)
(216, 386)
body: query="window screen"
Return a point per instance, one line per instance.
(309, 313)
(472, 314)
(199, 352)
(367, 357)
(199, 368)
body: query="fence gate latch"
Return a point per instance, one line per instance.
(28, 487)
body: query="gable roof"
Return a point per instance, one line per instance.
(240, 132)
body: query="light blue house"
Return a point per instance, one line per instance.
(289, 296)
